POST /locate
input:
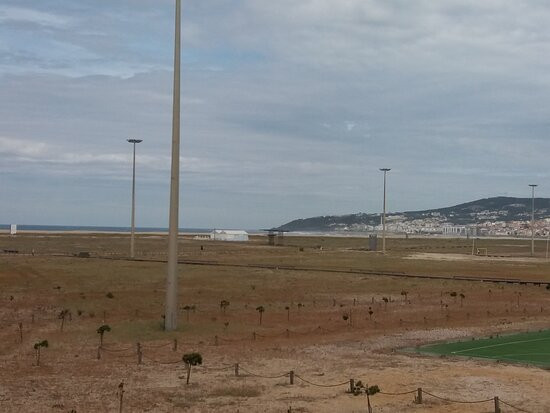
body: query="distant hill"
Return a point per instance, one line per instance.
(503, 209)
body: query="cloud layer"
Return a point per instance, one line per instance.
(288, 110)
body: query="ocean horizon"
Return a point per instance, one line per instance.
(94, 228)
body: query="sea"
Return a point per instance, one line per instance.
(90, 228)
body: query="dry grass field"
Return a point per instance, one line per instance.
(331, 313)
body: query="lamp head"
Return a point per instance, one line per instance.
(134, 140)
(385, 169)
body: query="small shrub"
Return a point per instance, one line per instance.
(109, 295)
(37, 346)
(191, 359)
(62, 315)
(260, 309)
(223, 305)
(373, 390)
(101, 331)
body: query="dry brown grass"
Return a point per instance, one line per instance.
(43, 284)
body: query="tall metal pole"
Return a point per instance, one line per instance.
(171, 305)
(385, 170)
(533, 186)
(547, 244)
(133, 226)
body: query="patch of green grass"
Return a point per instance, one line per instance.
(529, 348)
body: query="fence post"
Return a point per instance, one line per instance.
(21, 332)
(351, 385)
(497, 405)
(215, 340)
(287, 333)
(291, 375)
(175, 346)
(254, 335)
(32, 318)
(236, 369)
(98, 352)
(418, 398)
(120, 395)
(139, 353)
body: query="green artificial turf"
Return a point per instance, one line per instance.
(529, 348)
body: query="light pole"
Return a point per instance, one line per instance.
(533, 186)
(171, 304)
(385, 170)
(133, 230)
(547, 244)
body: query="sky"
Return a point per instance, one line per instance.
(288, 108)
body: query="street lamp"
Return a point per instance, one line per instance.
(385, 170)
(171, 303)
(533, 186)
(133, 230)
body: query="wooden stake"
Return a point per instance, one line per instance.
(418, 399)
(236, 369)
(120, 395)
(497, 405)
(291, 376)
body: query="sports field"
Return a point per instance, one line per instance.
(531, 348)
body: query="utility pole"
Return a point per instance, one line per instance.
(533, 186)
(385, 170)
(133, 230)
(171, 304)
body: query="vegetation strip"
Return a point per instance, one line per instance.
(345, 271)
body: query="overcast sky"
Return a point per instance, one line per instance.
(288, 108)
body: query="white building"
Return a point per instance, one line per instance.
(228, 235)
(13, 229)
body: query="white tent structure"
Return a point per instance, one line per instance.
(228, 235)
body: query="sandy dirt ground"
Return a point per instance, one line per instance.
(473, 258)
(74, 380)
(340, 327)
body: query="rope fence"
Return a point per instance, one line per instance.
(398, 394)
(291, 375)
(111, 352)
(458, 401)
(514, 407)
(346, 383)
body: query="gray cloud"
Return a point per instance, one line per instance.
(288, 109)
